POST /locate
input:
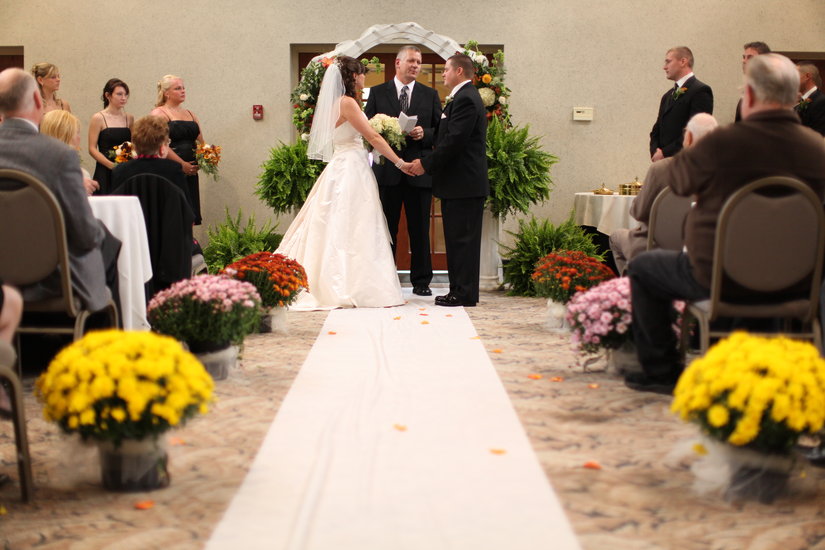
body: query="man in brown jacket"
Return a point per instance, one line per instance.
(769, 141)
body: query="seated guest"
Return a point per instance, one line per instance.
(811, 106)
(64, 126)
(11, 308)
(93, 251)
(627, 243)
(150, 137)
(166, 207)
(768, 141)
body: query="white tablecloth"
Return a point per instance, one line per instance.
(606, 213)
(124, 218)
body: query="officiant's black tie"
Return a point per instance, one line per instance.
(404, 99)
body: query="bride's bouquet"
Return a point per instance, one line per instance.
(208, 156)
(123, 152)
(390, 130)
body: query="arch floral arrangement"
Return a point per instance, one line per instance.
(111, 386)
(278, 279)
(207, 312)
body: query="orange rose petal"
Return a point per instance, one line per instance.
(400, 427)
(144, 504)
(332, 332)
(475, 337)
(497, 350)
(498, 451)
(557, 379)
(425, 314)
(534, 376)
(396, 318)
(592, 465)
(425, 322)
(422, 309)
(449, 315)
(593, 386)
(176, 441)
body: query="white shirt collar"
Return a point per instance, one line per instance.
(27, 120)
(458, 87)
(807, 94)
(399, 85)
(681, 81)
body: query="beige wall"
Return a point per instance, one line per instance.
(560, 54)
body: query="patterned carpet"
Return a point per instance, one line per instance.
(641, 498)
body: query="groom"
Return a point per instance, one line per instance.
(395, 188)
(459, 169)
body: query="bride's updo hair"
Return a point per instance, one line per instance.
(350, 68)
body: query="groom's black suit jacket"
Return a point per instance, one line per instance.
(459, 162)
(675, 113)
(425, 103)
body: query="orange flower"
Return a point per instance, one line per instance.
(486, 78)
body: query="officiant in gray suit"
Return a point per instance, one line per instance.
(404, 94)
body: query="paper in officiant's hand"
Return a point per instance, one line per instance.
(407, 122)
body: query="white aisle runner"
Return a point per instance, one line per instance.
(397, 434)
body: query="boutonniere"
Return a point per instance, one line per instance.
(803, 104)
(447, 100)
(678, 93)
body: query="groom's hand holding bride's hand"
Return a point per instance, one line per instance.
(415, 168)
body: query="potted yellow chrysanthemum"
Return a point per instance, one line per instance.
(756, 396)
(123, 390)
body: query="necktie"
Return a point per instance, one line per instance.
(404, 99)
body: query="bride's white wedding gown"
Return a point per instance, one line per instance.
(340, 235)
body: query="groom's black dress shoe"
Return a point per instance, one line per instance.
(662, 384)
(422, 290)
(451, 300)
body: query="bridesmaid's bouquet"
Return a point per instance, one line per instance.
(390, 130)
(123, 152)
(208, 156)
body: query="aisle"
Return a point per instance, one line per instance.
(397, 434)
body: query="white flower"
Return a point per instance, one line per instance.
(502, 100)
(480, 58)
(488, 96)
(305, 137)
(303, 97)
(448, 99)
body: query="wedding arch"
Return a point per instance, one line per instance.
(406, 33)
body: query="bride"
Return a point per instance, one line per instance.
(340, 235)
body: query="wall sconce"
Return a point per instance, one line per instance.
(257, 112)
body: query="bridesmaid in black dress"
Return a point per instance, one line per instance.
(108, 129)
(184, 133)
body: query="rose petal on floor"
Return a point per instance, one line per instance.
(592, 465)
(144, 504)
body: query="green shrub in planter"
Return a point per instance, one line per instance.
(287, 177)
(229, 242)
(536, 239)
(518, 169)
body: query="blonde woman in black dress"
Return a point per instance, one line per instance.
(108, 129)
(47, 76)
(184, 133)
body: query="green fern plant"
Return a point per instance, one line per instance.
(287, 177)
(536, 239)
(229, 241)
(518, 169)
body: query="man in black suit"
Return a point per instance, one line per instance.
(751, 50)
(459, 169)
(811, 106)
(688, 97)
(395, 188)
